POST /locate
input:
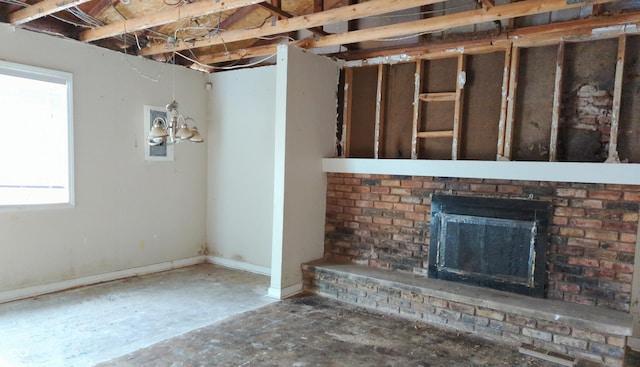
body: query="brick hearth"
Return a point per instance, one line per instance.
(583, 332)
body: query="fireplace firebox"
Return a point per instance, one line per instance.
(490, 242)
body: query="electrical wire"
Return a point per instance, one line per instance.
(75, 12)
(226, 67)
(288, 38)
(78, 13)
(164, 36)
(154, 79)
(165, 2)
(406, 37)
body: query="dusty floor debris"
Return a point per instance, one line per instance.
(316, 331)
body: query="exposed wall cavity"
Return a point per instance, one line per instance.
(534, 102)
(585, 92)
(587, 101)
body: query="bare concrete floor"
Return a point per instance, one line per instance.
(89, 325)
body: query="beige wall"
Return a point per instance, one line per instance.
(240, 167)
(129, 212)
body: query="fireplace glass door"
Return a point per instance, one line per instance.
(487, 247)
(498, 243)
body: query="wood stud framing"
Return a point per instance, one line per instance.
(582, 30)
(457, 97)
(557, 102)
(438, 97)
(459, 102)
(416, 110)
(617, 97)
(511, 102)
(379, 124)
(346, 118)
(504, 103)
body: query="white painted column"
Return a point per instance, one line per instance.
(305, 124)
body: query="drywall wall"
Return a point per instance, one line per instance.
(240, 165)
(306, 89)
(128, 212)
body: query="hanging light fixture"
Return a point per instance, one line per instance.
(174, 128)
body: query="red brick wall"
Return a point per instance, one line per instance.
(383, 221)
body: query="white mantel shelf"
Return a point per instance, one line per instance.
(611, 173)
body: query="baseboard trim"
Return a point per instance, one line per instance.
(234, 264)
(38, 290)
(286, 292)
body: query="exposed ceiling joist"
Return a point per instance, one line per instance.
(239, 54)
(540, 35)
(166, 16)
(41, 9)
(341, 14)
(435, 24)
(277, 11)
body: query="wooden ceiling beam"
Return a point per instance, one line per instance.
(498, 12)
(568, 30)
(279, 12)
(341, 14)
(234, 55)
(41, 9)
(604, 26)
(166, 16)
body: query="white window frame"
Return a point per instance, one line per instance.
(42, 74)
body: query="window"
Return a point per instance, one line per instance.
(36, 164)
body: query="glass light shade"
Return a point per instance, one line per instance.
(155, 141)
(158, 131)
(196, 138)
(184, 132)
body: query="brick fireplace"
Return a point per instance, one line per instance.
(382, 223)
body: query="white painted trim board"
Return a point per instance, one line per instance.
(286, 292)
(38, 290)
(239, 265)
(611, 173)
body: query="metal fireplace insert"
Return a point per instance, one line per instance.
(490, 242)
